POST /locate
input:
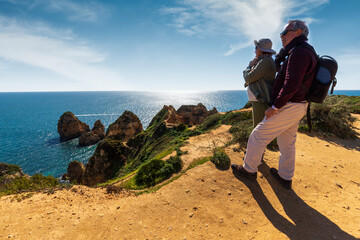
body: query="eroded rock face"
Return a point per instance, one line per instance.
(99, 129)
(89, 138)
(75, 172)
(111, 154)
(172, 118)
(125, 127)
(194, 115)
(109, 157)
(8, 172)
(70, 127)
(96, 134)
(186, 114)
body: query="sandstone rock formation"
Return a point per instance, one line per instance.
(186, 114)
(194, 115)
(172, 118)
(75, 172)
(11, 170)
(125, 127)
(88, 138)
(109, 157)
(8, 172)
(99, 129)
(112, 154)
(70, 127)
(96, 134)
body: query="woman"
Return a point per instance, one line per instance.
(259, 77)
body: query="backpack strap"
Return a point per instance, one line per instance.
(303, 87)
(308, 46)
(333, 85)
(308, 117)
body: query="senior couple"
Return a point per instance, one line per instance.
(279, 102)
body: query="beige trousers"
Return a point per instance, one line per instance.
(282, 126)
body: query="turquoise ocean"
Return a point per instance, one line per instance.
(28, 122)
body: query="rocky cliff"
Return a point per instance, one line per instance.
(194, 115)
(70, 127)
(110, 155)
(8, 172)
(127, 144)
(96, 134)
(186, 114)
(125, 127)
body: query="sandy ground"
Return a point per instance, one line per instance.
(207, 203)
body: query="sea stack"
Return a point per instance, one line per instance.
(75, 172)
(125, 127)
(70, 127)
(97, 133)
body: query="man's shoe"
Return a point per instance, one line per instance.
(285, 183)
(241, 171)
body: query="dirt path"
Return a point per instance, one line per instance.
(206, 203)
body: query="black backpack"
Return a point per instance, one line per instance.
(325, 69)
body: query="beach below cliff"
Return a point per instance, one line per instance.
(208, 203)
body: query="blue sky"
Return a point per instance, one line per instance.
(160, 45)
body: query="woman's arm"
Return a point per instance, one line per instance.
(255, 73)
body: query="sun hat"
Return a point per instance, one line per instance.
(264, 45)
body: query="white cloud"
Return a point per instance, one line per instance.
(245, 19)
(37, 44)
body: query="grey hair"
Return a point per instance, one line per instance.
(298, 24)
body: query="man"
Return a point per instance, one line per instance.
(295, 61)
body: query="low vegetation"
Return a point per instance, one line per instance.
(20, 184)
(221, 159)
(157, 171)
(9, 169)
(333, 117)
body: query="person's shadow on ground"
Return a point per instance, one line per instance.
(308, 223)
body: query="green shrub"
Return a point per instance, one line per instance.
(192, 133)
(350, 102)
(24, 184)
(166, 171)
(241, 132)
(232, 118)
(181, 127)
(221, 160)
(331, 119)
(8, 169)
(210, 122)
(247, 105)
(153, 172)
(176, 162)
(157, 171)
(41, 181)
